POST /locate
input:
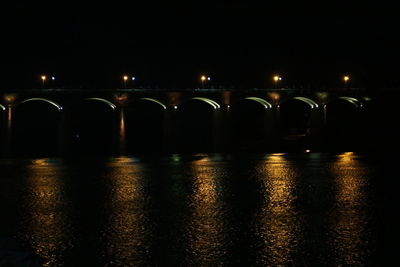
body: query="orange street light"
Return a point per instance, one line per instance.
(43, 78)
(125, 78)
(276, 79)
(346, 79)
(203, 79)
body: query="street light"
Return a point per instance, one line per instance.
(125, 78)
(346, 79)
(277, 78)
(43, 78)
(203, 79)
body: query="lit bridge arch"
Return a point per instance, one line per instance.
(154, 101)
(55, 104)
(110, 104)
(261, 101)
(308, 101)
(211, 102)
(352, 100)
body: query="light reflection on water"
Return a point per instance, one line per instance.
(349, 229)
(276, 227)
(300, 209)
(47, 221)
(205, 230)
(126, 233)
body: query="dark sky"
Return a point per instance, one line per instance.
(240, 43)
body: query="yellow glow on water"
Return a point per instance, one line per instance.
(47, 221)
(122, 132)
(125, 234)
(349, 221)
(205, 229)
(275, 228)
(346, 156)
(41, 162)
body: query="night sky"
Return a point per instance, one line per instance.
(240, 44)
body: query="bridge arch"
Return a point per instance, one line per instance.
(345, 122)
(299, 121)
(307, 100)
(261, 101)
(196, 124)
(154, 101)
(142, 125)
(55, 104)
(351, 100)
(251, 123)
(91, 127)
(209, 101)
(36, 127)
(105, 101)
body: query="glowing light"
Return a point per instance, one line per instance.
(122, 132)
(261, 101)
(53, 78)
(2, 107)
(9, 98)
(43, 77)
(125, 78)
(104, 101)
(133, 78)
(346, 78)
(277, 78)
(308, 101)
(47, 218)
(351, 100)
(58, 106)
(175, 107)
(203, 78)
(208, 78)
(307, 151)
(214, 104)
(275, 224)
(205, 225)
(155, 101)
(350, 222)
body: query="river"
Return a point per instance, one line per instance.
(295, 209)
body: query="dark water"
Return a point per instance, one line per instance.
(305, 209)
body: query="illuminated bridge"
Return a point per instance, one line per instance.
(128, 121)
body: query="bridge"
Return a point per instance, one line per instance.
(129, 121)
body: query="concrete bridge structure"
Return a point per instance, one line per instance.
(129, 121)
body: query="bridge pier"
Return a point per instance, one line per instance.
(170, 130)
